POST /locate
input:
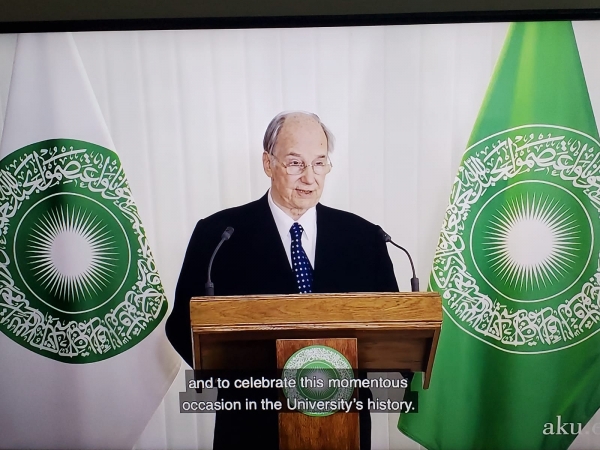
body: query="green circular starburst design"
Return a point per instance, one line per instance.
(313, 368)
(78, 279)
(532, 240)
(72, 252)
(318, 371)
(517, 260)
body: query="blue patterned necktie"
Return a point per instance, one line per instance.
(300, 262)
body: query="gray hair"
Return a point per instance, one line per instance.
(274, 128)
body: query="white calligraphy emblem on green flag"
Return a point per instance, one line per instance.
(517, 263)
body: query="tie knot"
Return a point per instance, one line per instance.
(296, 231)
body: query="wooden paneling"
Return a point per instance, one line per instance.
(394, 331)
(298, 431)
(361, 310)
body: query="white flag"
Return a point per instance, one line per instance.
(84, 357)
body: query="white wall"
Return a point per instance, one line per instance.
(187, 111)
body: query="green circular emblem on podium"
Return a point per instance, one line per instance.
(77, 277)
(322, 376)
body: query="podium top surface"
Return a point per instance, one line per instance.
(389, 310)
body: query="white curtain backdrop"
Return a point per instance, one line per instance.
(187, 111)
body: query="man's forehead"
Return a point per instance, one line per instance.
(301, 128)
(298, 121)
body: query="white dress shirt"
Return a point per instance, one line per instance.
(308, 220)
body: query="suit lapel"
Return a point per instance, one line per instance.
(327, 251)
(267, 244)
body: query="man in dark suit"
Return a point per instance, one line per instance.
(284, 243)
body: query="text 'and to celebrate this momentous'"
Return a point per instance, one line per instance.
(198, 399)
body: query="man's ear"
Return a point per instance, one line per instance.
(267, 164)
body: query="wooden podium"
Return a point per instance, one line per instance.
(374, 331)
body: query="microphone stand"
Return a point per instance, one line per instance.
(414, 281)
(209, 287)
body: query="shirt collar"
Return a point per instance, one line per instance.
(308, 220)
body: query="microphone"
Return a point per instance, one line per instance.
(209, 287)
(414, 281)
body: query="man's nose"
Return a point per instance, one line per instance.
(308, 176)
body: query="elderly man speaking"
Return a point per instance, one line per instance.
(284, 243)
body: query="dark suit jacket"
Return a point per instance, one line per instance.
(350, 256)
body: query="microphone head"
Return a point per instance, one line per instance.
(386, 237)
(227, 233)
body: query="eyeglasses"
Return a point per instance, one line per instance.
(297, 167)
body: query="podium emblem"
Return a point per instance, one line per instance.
(323, 380)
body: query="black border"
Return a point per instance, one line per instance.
(298, 21)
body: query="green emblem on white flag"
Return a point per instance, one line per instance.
(518, 261)
(80, 297)
(79, 281)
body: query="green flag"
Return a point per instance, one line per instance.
(518, 363)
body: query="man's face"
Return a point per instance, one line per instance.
(301, 139)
